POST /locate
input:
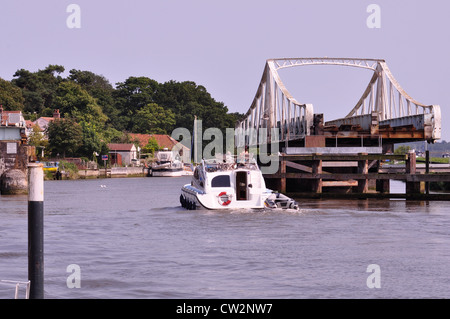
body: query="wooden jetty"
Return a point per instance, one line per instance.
(359, 175)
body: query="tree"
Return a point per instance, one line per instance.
(130, 96)
(151, 147)
(75, 102)
(153, 119)
(91, 141)
(11, 97)
(38, 88)
(90, 81)
(99, 88)
(38, 140)
(65, 136)
(187, 99)
(402, 149)
(138, 104)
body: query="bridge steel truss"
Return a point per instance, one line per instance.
(383, 109)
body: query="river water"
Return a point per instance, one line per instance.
(130, 238)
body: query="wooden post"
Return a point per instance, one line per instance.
(412, 187)
(427, 170)
(411, 163)
(363, 168)
(283, 175)
(382, 185)
(317, 169)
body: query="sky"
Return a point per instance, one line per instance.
(223, 45)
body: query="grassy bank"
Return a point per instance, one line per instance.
(71, 172)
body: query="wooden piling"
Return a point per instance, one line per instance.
(316, 171)
(427, 170)
(382, 185)
(363, 168)
(413, 186)
(283, 175)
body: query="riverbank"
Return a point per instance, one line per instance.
(100, 173)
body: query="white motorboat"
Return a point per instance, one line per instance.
(167, 165)
(231, 183)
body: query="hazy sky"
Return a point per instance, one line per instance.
(223, 45)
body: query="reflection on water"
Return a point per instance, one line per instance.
(132, 239)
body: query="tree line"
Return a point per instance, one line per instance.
(96, 113)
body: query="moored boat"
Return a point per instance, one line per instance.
(167, 165)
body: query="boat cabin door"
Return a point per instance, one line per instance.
(241, 185)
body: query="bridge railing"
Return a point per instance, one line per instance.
(393, 106)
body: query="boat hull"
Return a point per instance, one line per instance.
(192, 198)
(167, 172)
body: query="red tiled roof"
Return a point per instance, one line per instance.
(120, 147)
(164, 140)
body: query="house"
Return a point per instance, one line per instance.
(163, 140)
(12, 126)
(122, 154)
(29, 127)
(44, 121)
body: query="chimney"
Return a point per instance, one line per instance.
(1, 114)
(56, 114)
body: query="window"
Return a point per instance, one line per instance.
(221, 181)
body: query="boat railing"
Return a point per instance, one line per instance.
(17, 285)
(230, 162)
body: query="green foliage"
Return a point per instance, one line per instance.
(153, 119)
(99, 88)
(70, 169)
(151, 147)
(38, 88)
(105, 113)
(91, 141)
(65, 165)
(11, 97)
(49, 175)
(111, 135)
(402, 150)
(439, 160)
(75, 102)
(38, 140)
(65, 136)
(130, 96)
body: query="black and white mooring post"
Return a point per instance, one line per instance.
(36, 230)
